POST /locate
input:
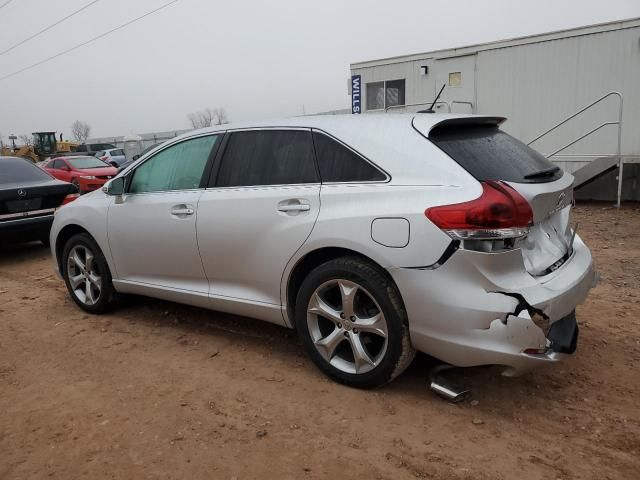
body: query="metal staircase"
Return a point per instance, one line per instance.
(601, 163)
(594, 170)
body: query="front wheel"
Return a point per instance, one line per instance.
(76, 184)
(87, 274)
(352, 321)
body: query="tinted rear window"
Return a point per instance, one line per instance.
(268, 157)
(339, 164)
(18, 170)
(117, 153)
(488, 153)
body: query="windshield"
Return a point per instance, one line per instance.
(82, 163)
(17, 170)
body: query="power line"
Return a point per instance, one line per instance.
(6, 3)
(64, 52)
(47, 28)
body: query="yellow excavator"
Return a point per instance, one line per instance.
(44, 145)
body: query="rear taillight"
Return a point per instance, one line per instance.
(70, 198)
(500, 212)
(104, 158)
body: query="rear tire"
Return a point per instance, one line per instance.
(352, 321)
(86, 274)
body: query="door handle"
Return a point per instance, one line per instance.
(182, 210)
(296, 207)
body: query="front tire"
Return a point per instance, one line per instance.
(352, 321)
(87, 274)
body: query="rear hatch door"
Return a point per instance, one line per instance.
(479, 146)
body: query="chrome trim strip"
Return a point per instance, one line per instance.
(24, 219)
(27, 214)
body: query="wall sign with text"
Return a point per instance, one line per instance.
(356, 94)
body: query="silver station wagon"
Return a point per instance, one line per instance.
(375, 236)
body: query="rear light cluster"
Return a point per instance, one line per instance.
(499, 213)
(70, 198)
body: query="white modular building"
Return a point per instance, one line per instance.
(581, 85)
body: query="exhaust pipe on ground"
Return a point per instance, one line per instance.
(444, 389)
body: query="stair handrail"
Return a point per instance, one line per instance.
(618, 123)
(618, 94)
(440, 102)
(580, 138)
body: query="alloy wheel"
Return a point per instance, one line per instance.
(84, 276)
(347, 326)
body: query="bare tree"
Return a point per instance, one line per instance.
(220, 116)
(26, 139)
(80, 131)
(207, 117)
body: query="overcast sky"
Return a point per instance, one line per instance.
(255, 59)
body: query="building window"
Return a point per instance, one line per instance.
(381, 95)
(455, 79)
(394, 93)
(375, 96)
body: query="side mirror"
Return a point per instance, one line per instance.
(115, 187)
(135, 157)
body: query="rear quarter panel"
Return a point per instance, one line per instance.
(347, 213)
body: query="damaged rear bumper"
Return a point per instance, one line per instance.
(477, 308)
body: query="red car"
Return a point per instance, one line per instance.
(87, 173)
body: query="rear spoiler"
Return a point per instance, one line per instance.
(466, 122)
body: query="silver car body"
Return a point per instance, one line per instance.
(112, 155)
(236, 252)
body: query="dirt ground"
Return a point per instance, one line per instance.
(159, 390)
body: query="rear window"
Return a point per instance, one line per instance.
(17, 170)
(117, 153)
(488, 153)
(339, 164)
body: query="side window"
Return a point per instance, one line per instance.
(267, 157)
(179, 167)
(57, 164)
(339, 164)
